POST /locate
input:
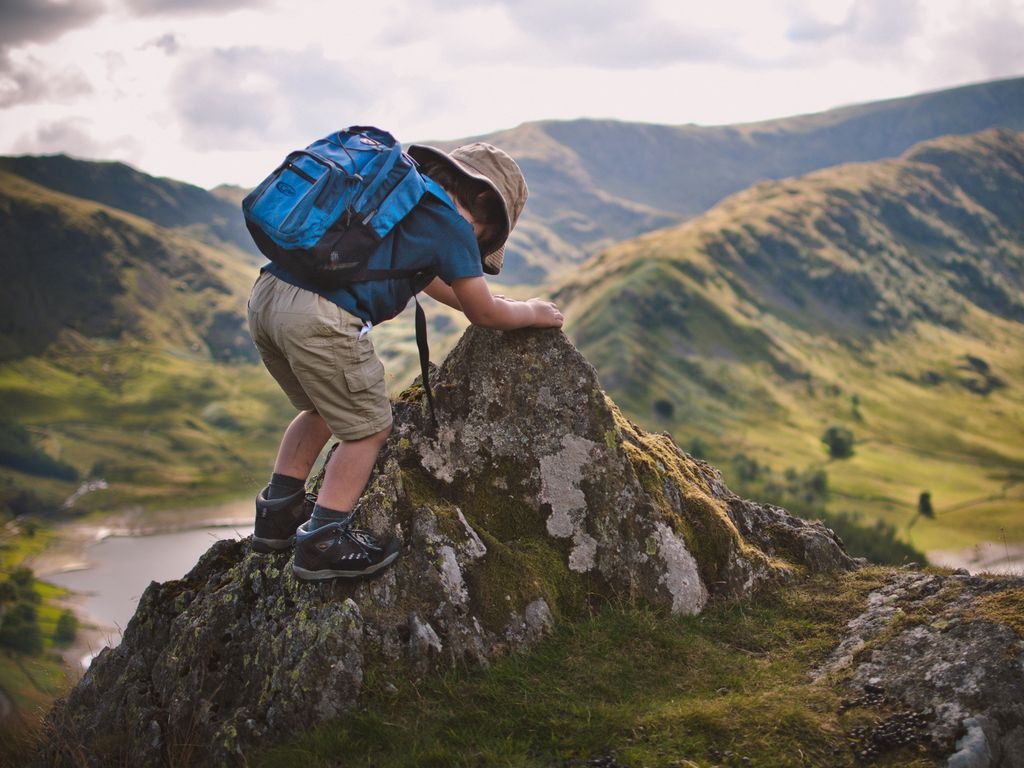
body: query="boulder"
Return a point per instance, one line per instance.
(532, 500)
(948, 649)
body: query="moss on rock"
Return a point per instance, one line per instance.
(531, 500)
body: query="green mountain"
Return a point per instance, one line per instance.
(212, 217)
(105, 259)
(881, 298)
(78, 268)
(597, 182)
(124, 355)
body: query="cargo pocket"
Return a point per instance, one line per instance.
(361, 377)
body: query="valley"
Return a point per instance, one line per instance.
(857, 274)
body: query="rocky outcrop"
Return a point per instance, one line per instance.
(950, 649)
(533, 499)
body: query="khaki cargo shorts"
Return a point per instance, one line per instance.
(311, 346)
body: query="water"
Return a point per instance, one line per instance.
(123, 566)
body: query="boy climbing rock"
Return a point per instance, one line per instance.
(316, 344)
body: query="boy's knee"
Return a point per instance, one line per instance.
(377, 438)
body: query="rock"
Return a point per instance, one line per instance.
(972, 749)
(533, 497)
(928, 642)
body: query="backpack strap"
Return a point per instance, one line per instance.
(424, 349)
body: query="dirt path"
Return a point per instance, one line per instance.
(987, 557)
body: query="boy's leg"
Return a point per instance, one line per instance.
(328, 546)
(349, 470)
(302, 442)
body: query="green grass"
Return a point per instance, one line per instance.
(650, 689)
(159, 428)
(29, 684)
(760, 321)
(16, 546)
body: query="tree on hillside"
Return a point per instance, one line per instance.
(67, 628)
(19, 616)
(698, 448)
(664, 409)
(924, 505)
(839, 441)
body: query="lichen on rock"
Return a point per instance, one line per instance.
(533, 498)
(923, 642)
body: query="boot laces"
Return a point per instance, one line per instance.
(362, 539)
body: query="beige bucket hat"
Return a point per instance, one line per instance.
(495, 168)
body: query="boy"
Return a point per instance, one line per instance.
(316, 346)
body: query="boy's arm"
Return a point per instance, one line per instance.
(489, 311)
(439, 290)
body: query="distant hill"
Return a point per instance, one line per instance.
(74, 266)
(884, 297)
(125, 288)
(173, 204)
(596, 182)
(232, 194)
(124, 351)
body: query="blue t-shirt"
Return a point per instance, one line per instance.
(433, 237)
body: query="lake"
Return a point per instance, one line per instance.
(121, 567)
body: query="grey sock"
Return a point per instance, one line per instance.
(323, 515)
(282, 485)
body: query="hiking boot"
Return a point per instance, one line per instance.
(337, 550)
(277, 519)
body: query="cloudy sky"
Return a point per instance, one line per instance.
(214, 91)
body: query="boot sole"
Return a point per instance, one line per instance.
(306, 575)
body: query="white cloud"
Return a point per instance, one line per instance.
(74, 136)
(26, 79)
(229, 97)
(189, 7)
(977, 41)
(167, 42)
(219, 91)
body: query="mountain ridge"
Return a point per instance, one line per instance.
(854, 295)
(595, 182)
(124, 351)
(167, 202)
(730, 310)
(81, 265)
(631, 177)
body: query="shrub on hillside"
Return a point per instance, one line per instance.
(924, 505)
(839, 441)
(805, 493)
(19, 615)
(877, 542)
(698, 448)
(664, 409)
(66, 629)
(17, 452)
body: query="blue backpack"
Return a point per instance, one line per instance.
(327, 207)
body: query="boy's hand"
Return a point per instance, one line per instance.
(483, 309)
(545, 313)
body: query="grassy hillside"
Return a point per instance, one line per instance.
(596, 182)
(123, 357)
(627, 687)
(884, 298)
(208, 216)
